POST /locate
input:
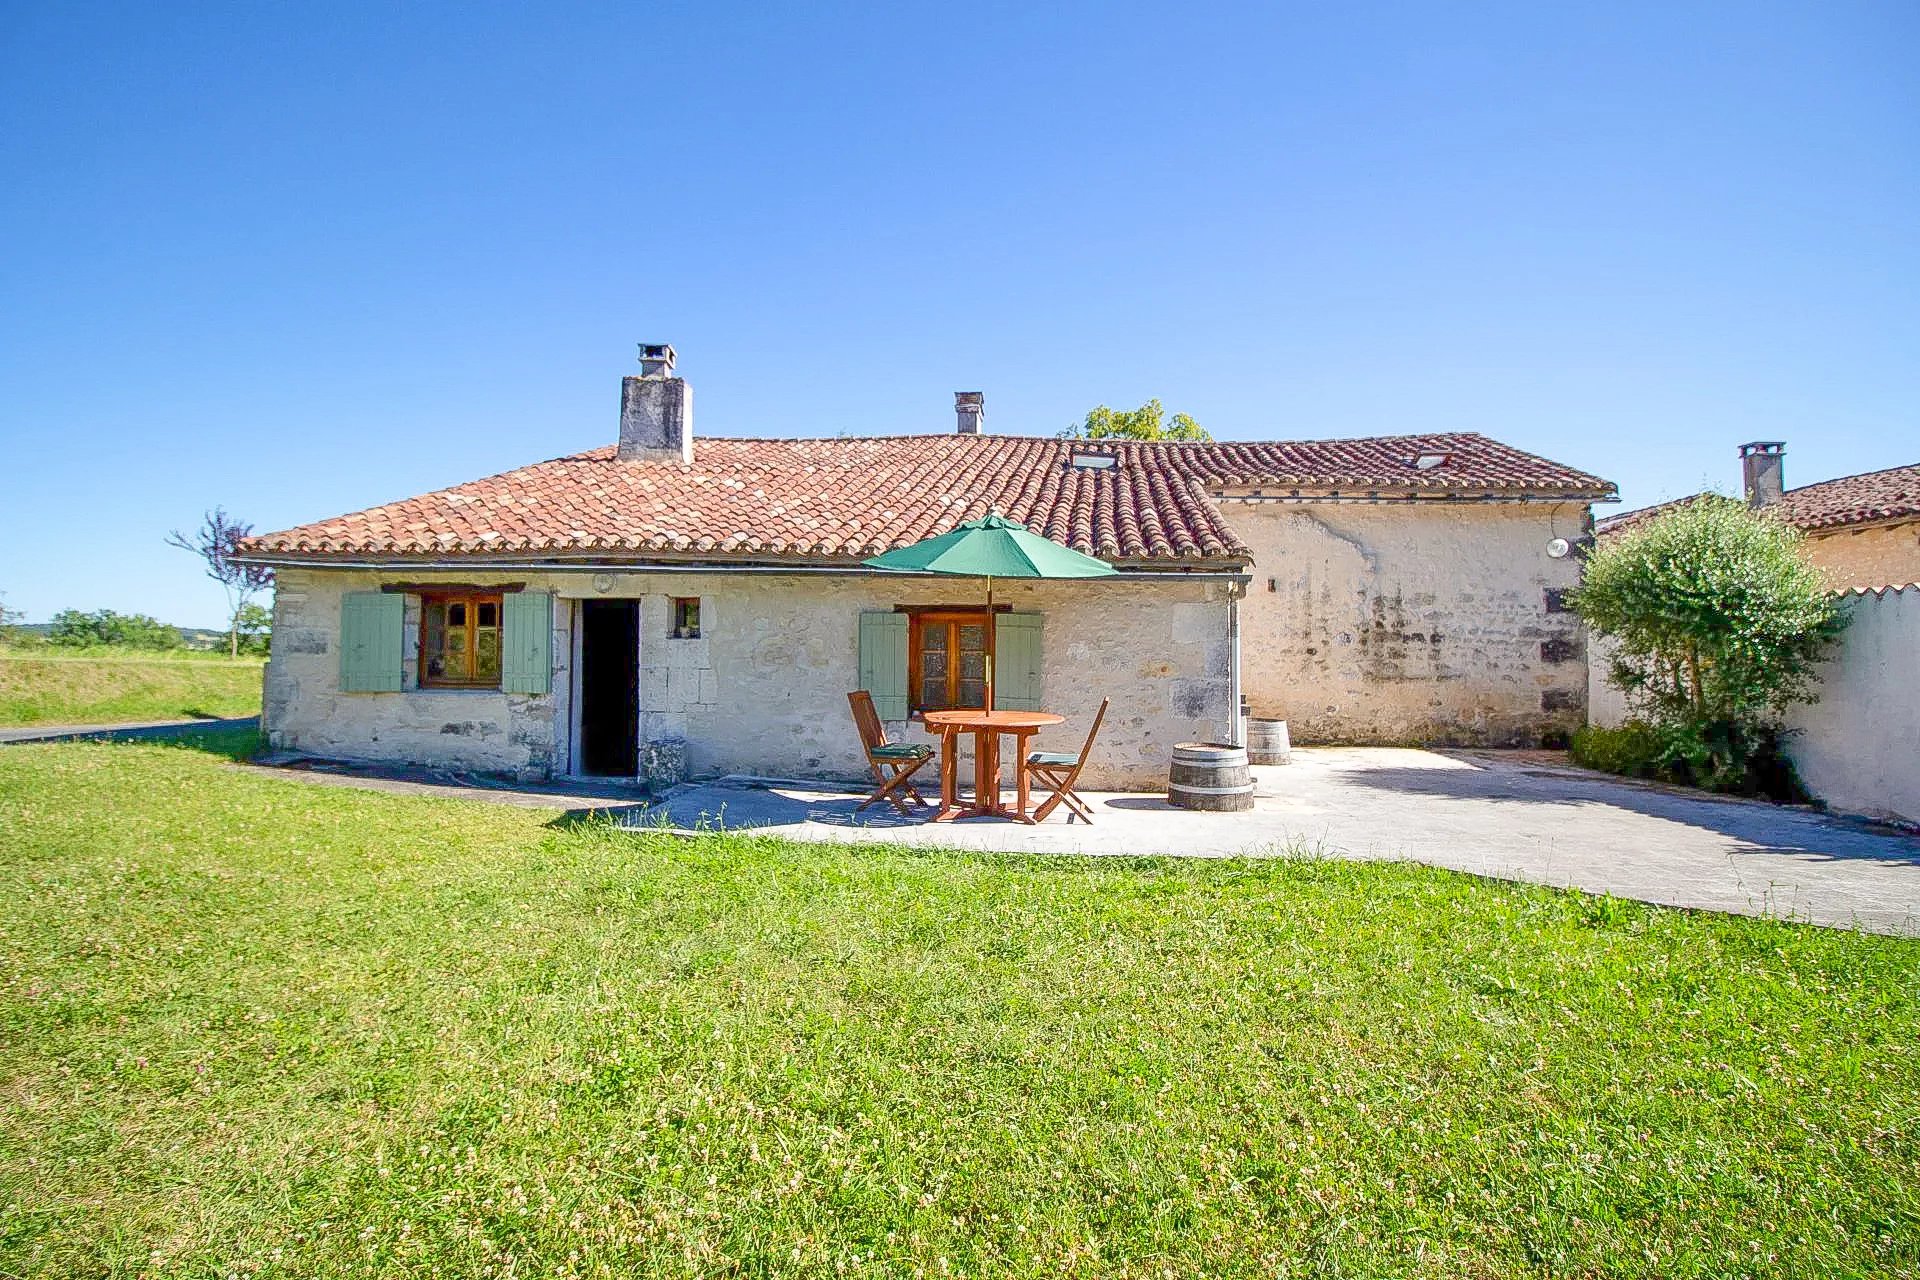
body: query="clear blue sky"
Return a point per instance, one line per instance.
(304, 259)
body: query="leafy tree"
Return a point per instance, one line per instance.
(74, 629)
(1148, 422)
(1718, 622)
(9, 618)
(215, 542)
(255, 623)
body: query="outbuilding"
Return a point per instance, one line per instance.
(670, 605)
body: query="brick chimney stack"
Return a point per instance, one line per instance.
(656, 410)
(970, 407)
(1762, 471)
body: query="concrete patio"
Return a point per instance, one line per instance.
(1508, 815)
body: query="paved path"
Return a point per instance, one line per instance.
(1505, 815)
(147, 729)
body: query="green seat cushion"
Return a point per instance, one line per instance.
(1054, 758)
(902, 751)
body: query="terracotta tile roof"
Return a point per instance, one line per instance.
(831, 500)
(1867, 498)
(1870, 496)
(1623, 520)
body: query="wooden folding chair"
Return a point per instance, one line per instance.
(904, 758)
(1058, 772)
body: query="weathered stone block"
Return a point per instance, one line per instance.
(663, 764)
(653, 688)
(1200, 698)
(1563, 699)
(1196, 623)
(300, 640)
(1562, 649)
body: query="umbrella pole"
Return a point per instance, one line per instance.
(992, 632)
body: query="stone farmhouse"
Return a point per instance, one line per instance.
(675, 601)
(1862, 530)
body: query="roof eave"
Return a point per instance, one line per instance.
(668, 562)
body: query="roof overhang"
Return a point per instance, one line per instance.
(1133, 570)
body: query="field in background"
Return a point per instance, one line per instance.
(250, 1026)
(43, 685)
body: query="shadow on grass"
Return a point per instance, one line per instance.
(234, 739)
(239, 744)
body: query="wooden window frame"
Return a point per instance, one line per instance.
(952, 619)
(685, 608)
(473, 600)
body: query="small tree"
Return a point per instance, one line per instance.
(1718, 622)
(215, 542)
(9, 619)
(255, 624)
(1148, 422)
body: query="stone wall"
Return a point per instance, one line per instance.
(1885, 555)
(764, 689)
(304, 709)
(1412, 623)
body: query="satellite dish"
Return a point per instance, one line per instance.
(1559, 548)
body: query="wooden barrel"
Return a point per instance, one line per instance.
(1211, 776)
(1267, 742)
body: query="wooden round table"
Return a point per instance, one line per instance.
(986, 728)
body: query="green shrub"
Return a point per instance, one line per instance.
(1719, 755)
(1632, 750)
(1718, 623)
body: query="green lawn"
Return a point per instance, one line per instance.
(46, 686)
(254, 1026)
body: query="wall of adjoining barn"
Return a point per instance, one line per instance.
(1855, 747)
(764, 689)
(1437, 623)
(1883, 555)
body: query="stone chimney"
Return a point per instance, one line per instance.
(1761, 471)
(971, 409)
(656, 410)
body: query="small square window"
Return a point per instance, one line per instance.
(460, 641)
(686, 617)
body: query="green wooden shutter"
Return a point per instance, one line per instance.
(1016, 668)
(883, 661)
(526, 642)
(371, 623)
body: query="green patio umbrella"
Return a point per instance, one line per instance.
(992, 547)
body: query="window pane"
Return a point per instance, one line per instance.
(973, 637)
(486, 655)
(457, 613)
(489, 613)
(435, 643)
(973, 693)
(933, 694)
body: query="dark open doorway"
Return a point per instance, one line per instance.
(610, 687)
